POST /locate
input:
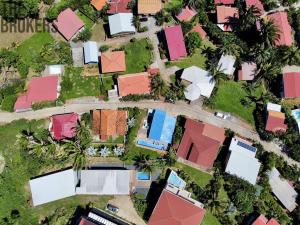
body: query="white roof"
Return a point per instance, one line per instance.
(273, 107)
(121, 23)
(54, 69)
(243, 166)
(242, 146)
(283, 190)
(52, 187)
(91, 53)
(104, 182)
(202, 83)
(226, 64)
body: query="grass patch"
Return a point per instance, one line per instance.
(74, 85)
(138, 56)
(228, 99)
(87, 21)
(98, 32)
(30, 48)
(210, 219)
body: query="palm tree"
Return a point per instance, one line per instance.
(266, 73)
(261, 54)
(104, 152)
(196, 4)
(83, 135)
(78, 153)
(143, 162)
(136, 22)
(158, 86)
(248, 18)
(269, 33)
(289, 55)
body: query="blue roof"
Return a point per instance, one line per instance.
(162, 127)
(90, 52)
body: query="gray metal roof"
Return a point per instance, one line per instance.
(121, 23)
(91, 53)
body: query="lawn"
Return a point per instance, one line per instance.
(228, 99)
(87, 21)
(197, 59)
(210, 219)
(30, 48)
(98, 32)
(74, 85)
(138, 56)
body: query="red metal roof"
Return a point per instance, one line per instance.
(275, 122)
(186, 14)
(262, 220)
(40, 89)
(280, 19)
(68, 23)
(64, 126)
(198, 29)
(175, 42)
(224, 2)
(291, 82)
(172, 209)
(84, 221)
(257, 4)
(118, 6)
(226, 14)
(200, 143)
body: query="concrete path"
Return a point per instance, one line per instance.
(180, 108)
(281, 8)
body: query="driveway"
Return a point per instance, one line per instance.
(126, 210)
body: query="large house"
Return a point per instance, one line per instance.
(133, 84)
(281, 188)
(121, 24)
(40, 89)
(149, 7)
(109, 123)
(175, 206)
(280, 20)
(113, 62)
(67, 183)
(200, 144)
(242, 162)
(201, 83)
(262, 220)
(63, 126)
(291, 82)
(175, 42)
(68, 24)
(275, 120)
(226, 17)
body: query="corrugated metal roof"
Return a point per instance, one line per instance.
(91, 53)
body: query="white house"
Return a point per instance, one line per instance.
(285, 193)
(201, 83)
(242, 161)
(53, 70)
(91, 53)
(121, 23)
(226, 64)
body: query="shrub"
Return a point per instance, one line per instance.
(8, 103)
(48, 104)
(48, 2)
(22, 68)
(84, 35)
(193, 41)
(143, 29)
(104, 48)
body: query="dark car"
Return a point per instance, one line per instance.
(143, 19)
(112, 208)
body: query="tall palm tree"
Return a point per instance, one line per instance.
(269, 33)
(158, 86)
(289, 55)
(136, 22)
(196, 4)
(78, 153)
(143, 162)
(217, 75)
(83, 135)
(248, 18)
(266, 73)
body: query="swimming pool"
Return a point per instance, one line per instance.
(175, 180)
(143, 175)
(296, 115)
(151, 144)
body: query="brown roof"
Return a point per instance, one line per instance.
(138, 83)
(113, 62)
(149, 6)
(108, 122)
(200, 143)
(98, 4)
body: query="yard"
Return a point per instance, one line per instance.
(98, 32)
(138, 56)
(228, 99)
(87, 21)
(74, 85)
(30, 48)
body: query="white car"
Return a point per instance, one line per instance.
(223, 115)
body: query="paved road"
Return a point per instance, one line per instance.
(180, 108)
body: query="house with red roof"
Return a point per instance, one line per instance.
(280, 20)
(257, 4)
(176, 207)
(186, 14)
(118, 6)
(68, 24)
(224, 2)
(291, 84)
(200, 144)
(198, 29)
(175, 42)
(63, 126)
(226, 17)
(40, 89)
(113, 62)
(134, 84)
(262, 220)
(275, 120)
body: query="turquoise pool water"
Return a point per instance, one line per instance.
(296, 115)
(143, 176)
(175, 180)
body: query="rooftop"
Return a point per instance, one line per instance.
(118, 6)
(121, 23)
(198, 29)
(175, 42)
(99, 4)
(186, 14)
(227, 14)
(291, 82)
(247, 71)
(64, 125)
(113, 62)
(149, 6)
(68, 23)
(262, 220)
(91, 53)
(226, 64)
(224, 2)
(257, 4)
(138, 83)
(275, 121)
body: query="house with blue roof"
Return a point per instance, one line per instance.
(161, 130)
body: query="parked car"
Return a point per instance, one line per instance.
(112, 208)
(222, 115)
(143, 19)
